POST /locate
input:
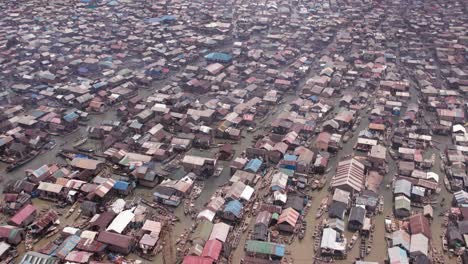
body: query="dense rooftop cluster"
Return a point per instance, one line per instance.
(233, 131)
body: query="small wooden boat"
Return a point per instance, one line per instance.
(71, 210)
(17, 164)
(218, 171)
(353, 240)
(80, 142)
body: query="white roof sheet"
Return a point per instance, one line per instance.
(121, 221)
(220, 231)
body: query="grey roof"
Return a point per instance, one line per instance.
(37, 258)
(419, 245)
(402, 239)
(337, 210)
(357, 214)
(403, 187)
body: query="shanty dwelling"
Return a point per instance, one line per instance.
(220, 232)
(91, 165)
(336, 224)
(20, 186)
(304, 160)
(121, 221)
(356, 218)
(147, 176)
(67, 246)
(181, 144)
(35, 257)
(4, 250)
(260, 232)
(45, 221)
(11, 234)
(405, 168)
(454, 237)
(245, 177)
(350, 176)
(330, 126)
(289, 162)
(321, 163)
(397, 255)
(24, 217)
(14, 202)
(212, 249)
(199, 165)
(279, 198)
(279, 181)
(226, 152)
(171, 192)
(265, 249)
(232, 211)
(402, 239)
(402, 187)
(100, 192)
(237, 164)
(117, 242)
(332, 243)
(419, 245)
(402, 206)
(42, 173)
(194, 259)
(151, 230)
(201, 233)
(296, 201)
(77, 256)
(278, 151)
(88, 208)
(100, 222)
(378, 155)
(123, 188)
(337, 209)
(419, 224)
(417, 193)
(235, 191)
(322, 141)
(368, 199)
(254, 165)
(207, 215)
(288, 220)
(215, 204)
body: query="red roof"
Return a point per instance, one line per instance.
(197, 260)
(22, 215)
(212, 249)
(10, 197)
(419, 224)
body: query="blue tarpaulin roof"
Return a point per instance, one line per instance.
(219, 56)
(71, 117)
(112, 3)
(290, 157)
(160, 19)
(253, 165)
(234, 207)
(67, 246)
(121, 185)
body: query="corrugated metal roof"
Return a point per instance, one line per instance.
(266, 248)
(220, 231)
(234, 207)
(122, 220)
(50, 187)
(212, 249)
(289, 216)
